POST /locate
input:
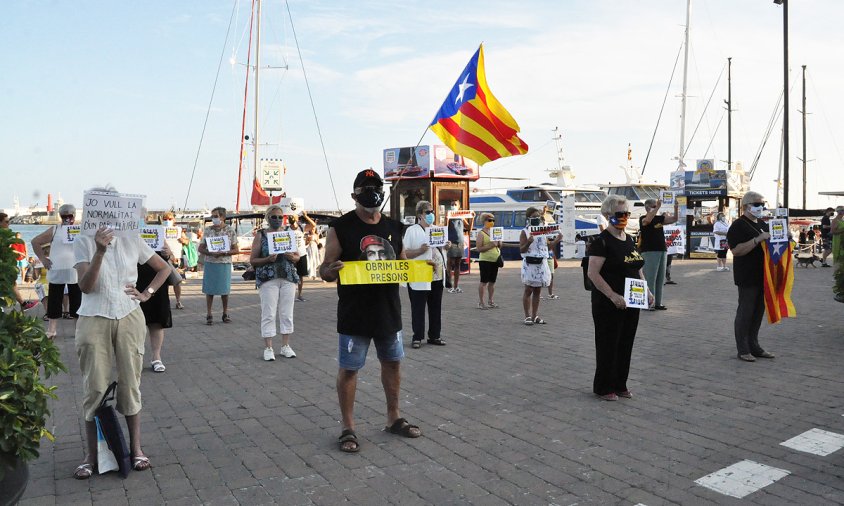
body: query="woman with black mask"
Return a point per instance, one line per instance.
(535, 271)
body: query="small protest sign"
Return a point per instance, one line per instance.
(68, 233)
(281, 242)
(496, 234)
(153, 236)
(461, 214)
(386, 272)
(548, 231)
(120, 212)
(636, 293)
(172, 232)
(675, 240)
(778, 230)
(218, 244)
(667, 198)
(436, 237)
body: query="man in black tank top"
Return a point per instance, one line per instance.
(366, 313)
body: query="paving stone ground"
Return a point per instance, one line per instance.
(507, 410)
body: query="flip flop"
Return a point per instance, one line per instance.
(348, 436)
(403, 428)
(83, 471)
(157, 366)
(140, 463)
(539, 321)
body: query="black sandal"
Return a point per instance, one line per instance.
(209, 320)
(403, 428)
(349, 436)
(436, 342)
(226, 318)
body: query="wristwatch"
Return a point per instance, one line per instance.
(150, 291)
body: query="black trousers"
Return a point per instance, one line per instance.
(615, 330)
(55, 295)
(751, 309)
(433, 299)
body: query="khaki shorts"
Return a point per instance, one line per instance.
(102, 343)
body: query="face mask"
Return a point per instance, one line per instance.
(756, 211)
(721, 218)
(429, 219)
(275, 221)
(619, 223)
(215, 221)
(370, 198)
(167, 223)
(535, 222)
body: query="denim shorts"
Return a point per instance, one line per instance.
(353, 350)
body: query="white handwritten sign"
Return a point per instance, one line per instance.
(281, 242)
(548, 231)
(667, 198)
(496, 234)
(120, 212)
(68, 233)
(218, 244)
(675, 240)
(636, 293)
(153, 237)
(779, 230)
(172, 232)
(436, 237)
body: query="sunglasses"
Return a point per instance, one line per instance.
(490, 220)
(67, 216)
(622, 214)
(362, 189)
(756, 204)
(428, 212)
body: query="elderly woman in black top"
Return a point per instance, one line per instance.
(612, 258)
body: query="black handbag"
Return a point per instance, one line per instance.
(587, 283)
(534, 260)
(113, 433)
(499, 261)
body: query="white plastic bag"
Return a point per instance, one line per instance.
(105, 459)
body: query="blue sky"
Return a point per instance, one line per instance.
(107, 92)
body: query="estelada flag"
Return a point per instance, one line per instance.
(472, 122)
(779, 279)
(260, 197)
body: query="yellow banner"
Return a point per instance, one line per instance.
(385, 272)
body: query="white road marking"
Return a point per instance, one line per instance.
(817, 442)
(742, 478)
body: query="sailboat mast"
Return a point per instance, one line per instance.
(804, 137)
(685, 83)
(729, 114)
(257, 88)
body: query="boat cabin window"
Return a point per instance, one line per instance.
(589, 197)
(626, 191)
(504, 219)
(519, 219)
(649, 192)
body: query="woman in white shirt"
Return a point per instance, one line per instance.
(719, 229)
(416, 246)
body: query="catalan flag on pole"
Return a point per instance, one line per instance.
(779, 279)
(472, 122)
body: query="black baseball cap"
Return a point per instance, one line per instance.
(368, 177)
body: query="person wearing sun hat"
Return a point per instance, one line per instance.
(366, 313)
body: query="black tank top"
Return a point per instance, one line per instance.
(368, 310)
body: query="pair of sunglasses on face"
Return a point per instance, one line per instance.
(622, 214)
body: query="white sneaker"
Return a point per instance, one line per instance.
(269, 354)
(286, 351)
(726, 269)
(719, 269)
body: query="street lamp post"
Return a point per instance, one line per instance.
(785, 181)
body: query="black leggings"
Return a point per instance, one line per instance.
(615, 330)
(55, 296)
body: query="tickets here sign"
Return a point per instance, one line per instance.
(496, 234)
(386, 272)
(281, 242)
(779, 230)
(218, 244)
(68, 233)
(545, 230)
(120, 212)
(436, 237)
(153, 236)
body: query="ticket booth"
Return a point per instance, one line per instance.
(432, 173)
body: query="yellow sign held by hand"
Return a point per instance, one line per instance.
(380, 272)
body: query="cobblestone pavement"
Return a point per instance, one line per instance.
(507, 410)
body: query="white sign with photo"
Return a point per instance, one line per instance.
(68, 233)
(281, 242)
(153, 236)
(636, 293)
(496, 234)
(218, 244)
(778, 230)
(667, 198)
(436, 237)
(120, 212)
